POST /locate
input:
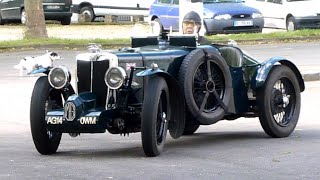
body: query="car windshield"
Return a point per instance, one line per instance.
(222, 1)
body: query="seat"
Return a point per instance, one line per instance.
(232, 55)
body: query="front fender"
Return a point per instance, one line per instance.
(177, 103)
(263, 71)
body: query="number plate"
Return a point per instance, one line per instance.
(243, 23)
(53, 7)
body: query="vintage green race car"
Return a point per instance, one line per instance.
(160, 84)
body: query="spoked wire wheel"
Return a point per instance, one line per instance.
(283, 101)
(279, 102)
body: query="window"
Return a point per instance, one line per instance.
(275, 1)
(165, 1)
(176, 2)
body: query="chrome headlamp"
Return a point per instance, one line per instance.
(59, 77)
(115, 77)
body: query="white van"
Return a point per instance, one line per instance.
(288, 14)
(99, 8)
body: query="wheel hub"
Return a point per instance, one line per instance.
(164, 117)
(285, 100)
(86, 13)
(210, 86)
(281, 100)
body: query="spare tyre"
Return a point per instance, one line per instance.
(206, 81)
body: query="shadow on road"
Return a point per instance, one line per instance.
(198, 140)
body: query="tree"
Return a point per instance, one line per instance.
(35, 21)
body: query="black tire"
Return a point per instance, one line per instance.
(1, 20)
(279, 102)
(291, 24)
(88, 11)
(23, 17)
(66, 21)
(159, 28)
(260, 30)
(44, 98)
(155, 110)
(204, 88)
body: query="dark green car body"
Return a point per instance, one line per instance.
(166, 83)
(13, 10)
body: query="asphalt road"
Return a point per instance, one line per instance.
(227, 150)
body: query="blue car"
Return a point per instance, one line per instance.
(220, 16)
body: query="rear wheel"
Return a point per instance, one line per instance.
(156, 26)
(291, 25)
(23, 17)
(279, 102)
(155, 114)
(1, 20)
(88, 12)
(44, 98)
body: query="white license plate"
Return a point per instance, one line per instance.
(53, 7)
(243, 23)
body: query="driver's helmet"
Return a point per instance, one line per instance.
(191, 18)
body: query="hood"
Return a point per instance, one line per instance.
(228, 8)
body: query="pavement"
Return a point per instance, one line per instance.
(310, 73)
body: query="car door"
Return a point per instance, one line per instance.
(173, 15)
(14, 9)
(5, 6)
(163, 8)
(274, 14)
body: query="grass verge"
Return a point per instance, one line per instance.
(254, 38)
(273, 36)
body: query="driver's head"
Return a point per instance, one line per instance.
(191, 23)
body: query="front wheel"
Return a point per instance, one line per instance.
(155, 114)
(66, 21)
(279, 102)
(44, 98)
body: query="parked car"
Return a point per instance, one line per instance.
(98, 8)
(220, 16)
(289, 14)
(162, 83)
(13, 10)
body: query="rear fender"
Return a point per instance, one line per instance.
(265, 68)
(177, 104)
